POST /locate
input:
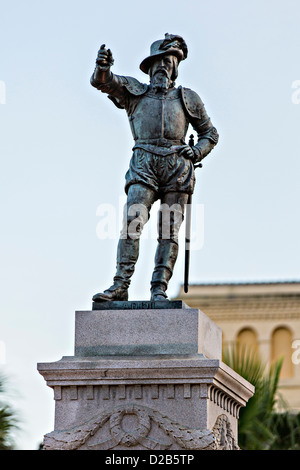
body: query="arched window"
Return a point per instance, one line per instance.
(247, 339)
(282, 347)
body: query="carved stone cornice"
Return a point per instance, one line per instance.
(240, 302)
(160, 371)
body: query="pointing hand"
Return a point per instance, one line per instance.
(104, 57)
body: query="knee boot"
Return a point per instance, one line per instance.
(165, 259)
(127, 255)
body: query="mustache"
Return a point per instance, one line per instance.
(161, 70)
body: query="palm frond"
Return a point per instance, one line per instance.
(255, 430)
(245, 361)
(8, 419)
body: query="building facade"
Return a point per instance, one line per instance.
(265, 316)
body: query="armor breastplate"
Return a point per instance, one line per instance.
(159, 116)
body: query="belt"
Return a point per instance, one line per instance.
(161, 142)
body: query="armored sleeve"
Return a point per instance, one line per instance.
(120, 89)
(114, 88)
(207, 134)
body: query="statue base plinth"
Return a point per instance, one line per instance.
(139, 305)
(145, 379)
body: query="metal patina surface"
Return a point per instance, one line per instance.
(162, 165)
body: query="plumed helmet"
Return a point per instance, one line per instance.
(172, 44)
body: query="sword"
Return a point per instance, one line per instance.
(188, 229)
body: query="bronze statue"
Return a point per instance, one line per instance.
(162, 164)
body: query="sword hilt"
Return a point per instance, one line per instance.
(191, 140)
(192, 144)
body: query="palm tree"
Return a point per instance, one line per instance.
(256, 421)
(286, 426)
(8, 421)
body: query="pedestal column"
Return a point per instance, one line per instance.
(145, 378)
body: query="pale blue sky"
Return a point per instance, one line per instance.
(65, 149)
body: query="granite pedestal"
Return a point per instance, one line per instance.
(144, 376)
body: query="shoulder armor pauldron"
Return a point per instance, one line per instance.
(134, 86)
(192, 102)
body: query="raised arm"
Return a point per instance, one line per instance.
(107, 82)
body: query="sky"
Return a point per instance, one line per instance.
(65, 149)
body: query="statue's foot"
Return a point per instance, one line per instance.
(113, 293)
(158, 298)
(157, 295)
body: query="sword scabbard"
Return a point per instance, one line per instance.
(187, 242)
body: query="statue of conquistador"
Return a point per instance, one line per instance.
(162, 164)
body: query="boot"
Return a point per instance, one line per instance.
(127, 255)
(165, 259)
(115, 292)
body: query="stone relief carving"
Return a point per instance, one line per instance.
(138, 435)
(224, 434)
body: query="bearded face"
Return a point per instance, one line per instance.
(163, 73)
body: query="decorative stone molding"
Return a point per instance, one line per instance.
(224, 401)
(152, 391)
(246, 301)
(193, 439)
(255, 312)
(223, 434)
